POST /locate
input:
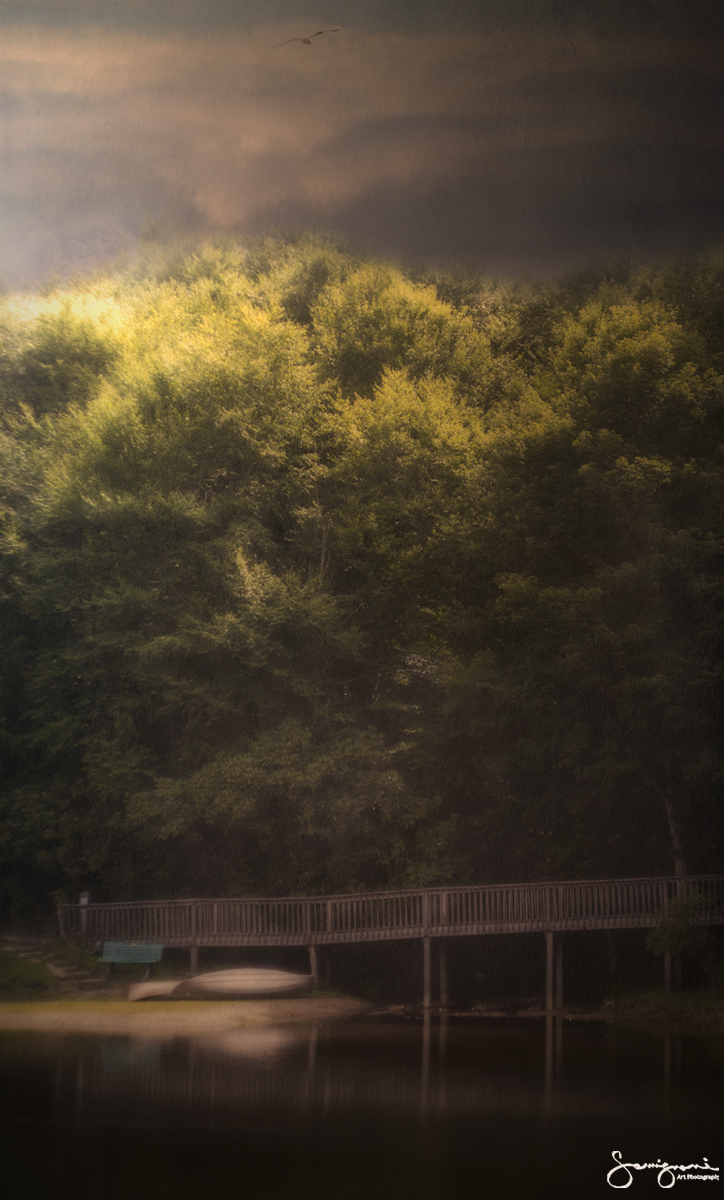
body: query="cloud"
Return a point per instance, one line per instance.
(480, 138)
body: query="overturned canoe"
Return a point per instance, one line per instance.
(243, 982)
(154, 989)
(239, 984)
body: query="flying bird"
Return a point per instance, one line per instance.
(308, 40)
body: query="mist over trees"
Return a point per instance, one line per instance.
(319, 575)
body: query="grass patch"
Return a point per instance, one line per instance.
(70, 954)
(701, 997)
(696, 1011)
(20, 978)
(64, 1006)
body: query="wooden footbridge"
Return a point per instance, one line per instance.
(431, 914)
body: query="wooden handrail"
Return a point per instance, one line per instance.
(386, 915)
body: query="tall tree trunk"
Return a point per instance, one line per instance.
(672, 818)
(677, 845)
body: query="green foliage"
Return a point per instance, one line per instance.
(20, 978)
(375, 321)
(62, 363)
(695, 290)
(317, 575)
(678, 932)
(70, 954)
(676, 929)
(308, 809)
(633, 369)
(396, 487)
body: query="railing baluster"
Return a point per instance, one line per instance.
(577, 904)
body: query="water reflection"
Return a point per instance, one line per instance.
(340, 1069)
(672, 1063)
(425, 1074)
(441, 1100)
(265, 1045)
(553, 1055)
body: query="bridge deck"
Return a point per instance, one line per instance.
(391, 915)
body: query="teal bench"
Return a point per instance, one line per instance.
(132, 952)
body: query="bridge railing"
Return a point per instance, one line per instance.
(369, 916)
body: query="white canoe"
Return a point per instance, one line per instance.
(152, 990)
(241, 983)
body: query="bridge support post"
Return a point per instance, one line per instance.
(313, 967)
(426, 972)
(554, 971)
(549, 1058)
(194, 948)
(443, 973)
(559, 971)
(667, 971)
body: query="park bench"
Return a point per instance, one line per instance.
(132, 952)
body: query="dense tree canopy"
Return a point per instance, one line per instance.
(319, 575)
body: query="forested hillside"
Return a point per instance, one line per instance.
(317, 575)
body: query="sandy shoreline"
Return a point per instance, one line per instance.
(199, 1018)
(169, 1019)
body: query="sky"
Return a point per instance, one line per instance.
(513, 137)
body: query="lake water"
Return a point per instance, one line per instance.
(373, 1109)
